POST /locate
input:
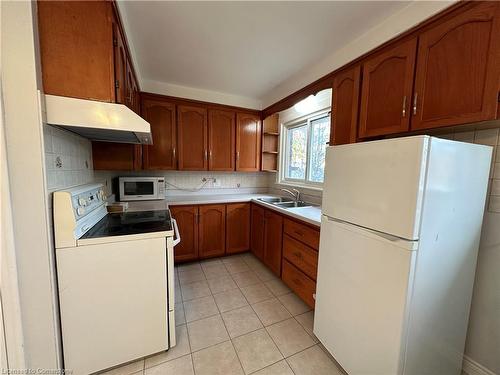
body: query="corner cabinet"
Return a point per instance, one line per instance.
(273, 239)
(161, 117)
(458, 70)
(345, 102)
(387, 91)
(248, 142)
(257, 231)
(192, 131)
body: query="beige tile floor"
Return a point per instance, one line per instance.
(234, 316)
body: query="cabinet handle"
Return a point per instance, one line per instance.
(210, 154)
(173, 153)
(404, 106)
(206, 154)
(415, 98)
(237, 155)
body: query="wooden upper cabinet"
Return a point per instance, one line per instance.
(187, 221)
(111, 156)
(387, 90)
(212, 230)
(248, 142)
(192, 136)
(257, 231)
(458, 69)
(120, 60)
(76, 49)
(345, 104)
(221, 140)
(237, 227)
(161, 117)
(273, 240)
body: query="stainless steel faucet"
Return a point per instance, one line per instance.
(294, 193)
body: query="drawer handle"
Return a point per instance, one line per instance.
(298, 255)
(300, 233)
(297, 282)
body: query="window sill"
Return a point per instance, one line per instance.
(299, 185)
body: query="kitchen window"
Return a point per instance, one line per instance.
(304, 146)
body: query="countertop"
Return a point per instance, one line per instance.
(311, 215)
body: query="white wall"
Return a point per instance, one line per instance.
(23, 133)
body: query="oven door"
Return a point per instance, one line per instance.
(138, 189)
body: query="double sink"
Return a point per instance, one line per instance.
(285, 202)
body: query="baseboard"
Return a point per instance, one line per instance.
(471, 367)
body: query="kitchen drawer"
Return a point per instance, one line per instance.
(299, 282)
(301, 256)
(303, 233)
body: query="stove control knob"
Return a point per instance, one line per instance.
(101, 195)
(80, 211)
(82, 201)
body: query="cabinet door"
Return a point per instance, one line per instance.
(187, 221)
(248, 140)
(221, 140)
(120, 64)
(257, 231)
(111, 156)
(161, 117)
(212, 230)
(458, 68)
(237, 227)
(273, 239)
(345, 105)
(76, 49)
(192, 131)
(387, 89)
(132, 99)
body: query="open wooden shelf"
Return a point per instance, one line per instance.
(270, 143)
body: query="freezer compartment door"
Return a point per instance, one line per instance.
(377, 185)
(363, 287)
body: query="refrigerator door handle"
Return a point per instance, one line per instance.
(398, 241)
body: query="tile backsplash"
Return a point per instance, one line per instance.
(489, 137)
(186, 183)
(68, 158)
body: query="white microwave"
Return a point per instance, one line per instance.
(141, 188)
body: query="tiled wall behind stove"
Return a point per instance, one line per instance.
(489, 137)
(68, 159)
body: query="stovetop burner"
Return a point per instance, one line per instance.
(127, 223)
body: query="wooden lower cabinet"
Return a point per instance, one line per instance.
(212, 230)
(187, 221)
(302, 256)
(237, 227)
(299, 282)
(273, 239)
(257, 231)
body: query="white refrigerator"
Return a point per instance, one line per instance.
(400, 229)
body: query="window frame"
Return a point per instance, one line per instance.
(284, 155)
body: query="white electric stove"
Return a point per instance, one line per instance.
(115, 278)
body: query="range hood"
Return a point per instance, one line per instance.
(97, 121)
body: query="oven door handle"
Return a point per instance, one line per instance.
(177, 235)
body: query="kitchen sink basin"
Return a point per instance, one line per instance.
(276, 200)
(293, 204)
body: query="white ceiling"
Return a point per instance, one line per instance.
(241, 48)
